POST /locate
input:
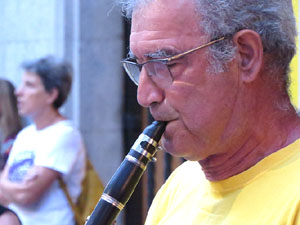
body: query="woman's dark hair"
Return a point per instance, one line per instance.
(10, 122)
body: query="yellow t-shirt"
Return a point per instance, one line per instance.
(267, 193)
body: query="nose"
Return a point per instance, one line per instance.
(18, 91)
(148, 92)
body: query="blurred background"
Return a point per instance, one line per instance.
(93, 36)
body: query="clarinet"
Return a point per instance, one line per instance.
(122, 184)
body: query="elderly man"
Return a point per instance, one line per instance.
(217, 71)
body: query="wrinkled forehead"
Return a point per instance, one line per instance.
(164, 14)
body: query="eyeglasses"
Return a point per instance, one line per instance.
(158, 69)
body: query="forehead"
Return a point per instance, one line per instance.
(165, 22)
(31, 77)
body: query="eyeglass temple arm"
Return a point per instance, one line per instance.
(195, 49)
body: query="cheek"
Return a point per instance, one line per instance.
(188, 94)
(177, 139)
(203, 107)
(33, 99)
(185, 99)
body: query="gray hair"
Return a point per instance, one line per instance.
(273, 20)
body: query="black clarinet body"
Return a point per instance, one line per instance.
(122, 184)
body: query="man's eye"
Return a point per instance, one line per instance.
(176, 68)
(173, 64)
(132, 60)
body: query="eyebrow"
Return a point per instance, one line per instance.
(160, 53)
(130, 55)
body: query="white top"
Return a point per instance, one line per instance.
(58, 147)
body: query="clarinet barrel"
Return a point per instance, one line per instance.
(122, 184)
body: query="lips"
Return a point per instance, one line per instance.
(163, 116)
(170, 128)
(19, 104)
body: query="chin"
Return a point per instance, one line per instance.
(172, 148)
(21, 113)
(182, 150)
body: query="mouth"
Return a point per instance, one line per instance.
(169, 118)
(19, 104)
(166, 134)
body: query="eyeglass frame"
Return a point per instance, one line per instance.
(167, 60)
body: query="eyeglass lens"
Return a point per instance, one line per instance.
(158, 72)
(133, 71)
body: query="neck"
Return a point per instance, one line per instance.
(222, 166)
(255, 148)
(267, 133)
(47, 118)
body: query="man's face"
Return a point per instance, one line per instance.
(198, 105)
(32, 96)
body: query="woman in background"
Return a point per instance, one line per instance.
(10, 122)
(49, 149)
(10, 125)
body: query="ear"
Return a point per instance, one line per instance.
(52, 96)
(250, 54)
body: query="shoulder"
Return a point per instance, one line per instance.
(63, 134)
(183, 183)
(63, 126)
(183, 179)
(28, 128)
(63, 129)
(187, 173)
(26, 131)
(189, 166)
